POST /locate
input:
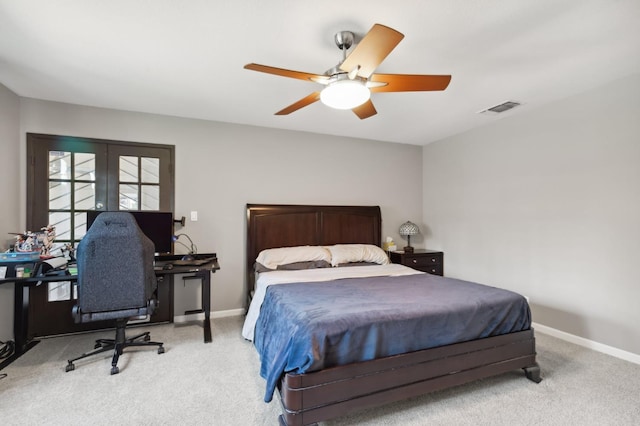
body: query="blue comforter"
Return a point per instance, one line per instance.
(306, 327)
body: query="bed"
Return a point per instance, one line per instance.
(336, 387)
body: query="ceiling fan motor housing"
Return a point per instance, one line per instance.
(344, 40)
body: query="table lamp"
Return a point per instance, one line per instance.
(408, 229)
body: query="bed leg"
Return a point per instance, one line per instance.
(533, 373)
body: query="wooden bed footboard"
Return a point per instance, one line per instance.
(313, 397)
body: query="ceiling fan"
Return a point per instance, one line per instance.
(349, 84)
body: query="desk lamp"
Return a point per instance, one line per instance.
(193, 249)
(408, 229)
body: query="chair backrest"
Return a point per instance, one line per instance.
(115, 265)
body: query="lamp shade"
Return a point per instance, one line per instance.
(345, 94)
(409, 228)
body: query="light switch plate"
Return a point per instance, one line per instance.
(194, 216)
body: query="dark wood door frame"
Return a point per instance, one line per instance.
(44, 318)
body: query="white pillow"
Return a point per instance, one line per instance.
(351, 253)
(272, 258)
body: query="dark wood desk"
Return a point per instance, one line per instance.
(21, 296)
(202, 272)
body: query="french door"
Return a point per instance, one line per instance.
(68, 176)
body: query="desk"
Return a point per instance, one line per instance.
(202, 272)
(21, 296)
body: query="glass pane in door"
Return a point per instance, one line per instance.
(128, 169)
(128, 196)
(59, 165)
(85, 166)
(85, 198)
(80, 225)
(150, 197)
(150, 170)
(58, 291)
(62, 222)
(59, 196)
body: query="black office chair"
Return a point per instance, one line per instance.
(116, 281)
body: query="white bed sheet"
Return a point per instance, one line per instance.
(266, 279)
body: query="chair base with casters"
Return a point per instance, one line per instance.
(117, 345)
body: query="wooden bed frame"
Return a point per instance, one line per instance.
(322, 395)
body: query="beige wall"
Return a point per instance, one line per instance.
(221, 167)
(9, 203)
(547, 203)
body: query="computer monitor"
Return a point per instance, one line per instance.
(157, 226)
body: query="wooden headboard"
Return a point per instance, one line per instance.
(272, 225)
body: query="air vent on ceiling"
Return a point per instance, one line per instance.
(505, 106)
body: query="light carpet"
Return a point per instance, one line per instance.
(218, 384)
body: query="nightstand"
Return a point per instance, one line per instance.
(429, 261)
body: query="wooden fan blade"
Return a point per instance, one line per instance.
(365, 110)
(307, 100)
(372, 49)
(409, 82)
(287, 73)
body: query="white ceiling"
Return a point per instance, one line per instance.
(186, 58)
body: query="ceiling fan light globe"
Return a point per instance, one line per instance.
(345, 94)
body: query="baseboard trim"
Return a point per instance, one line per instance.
(590, 344)
(216, 314)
